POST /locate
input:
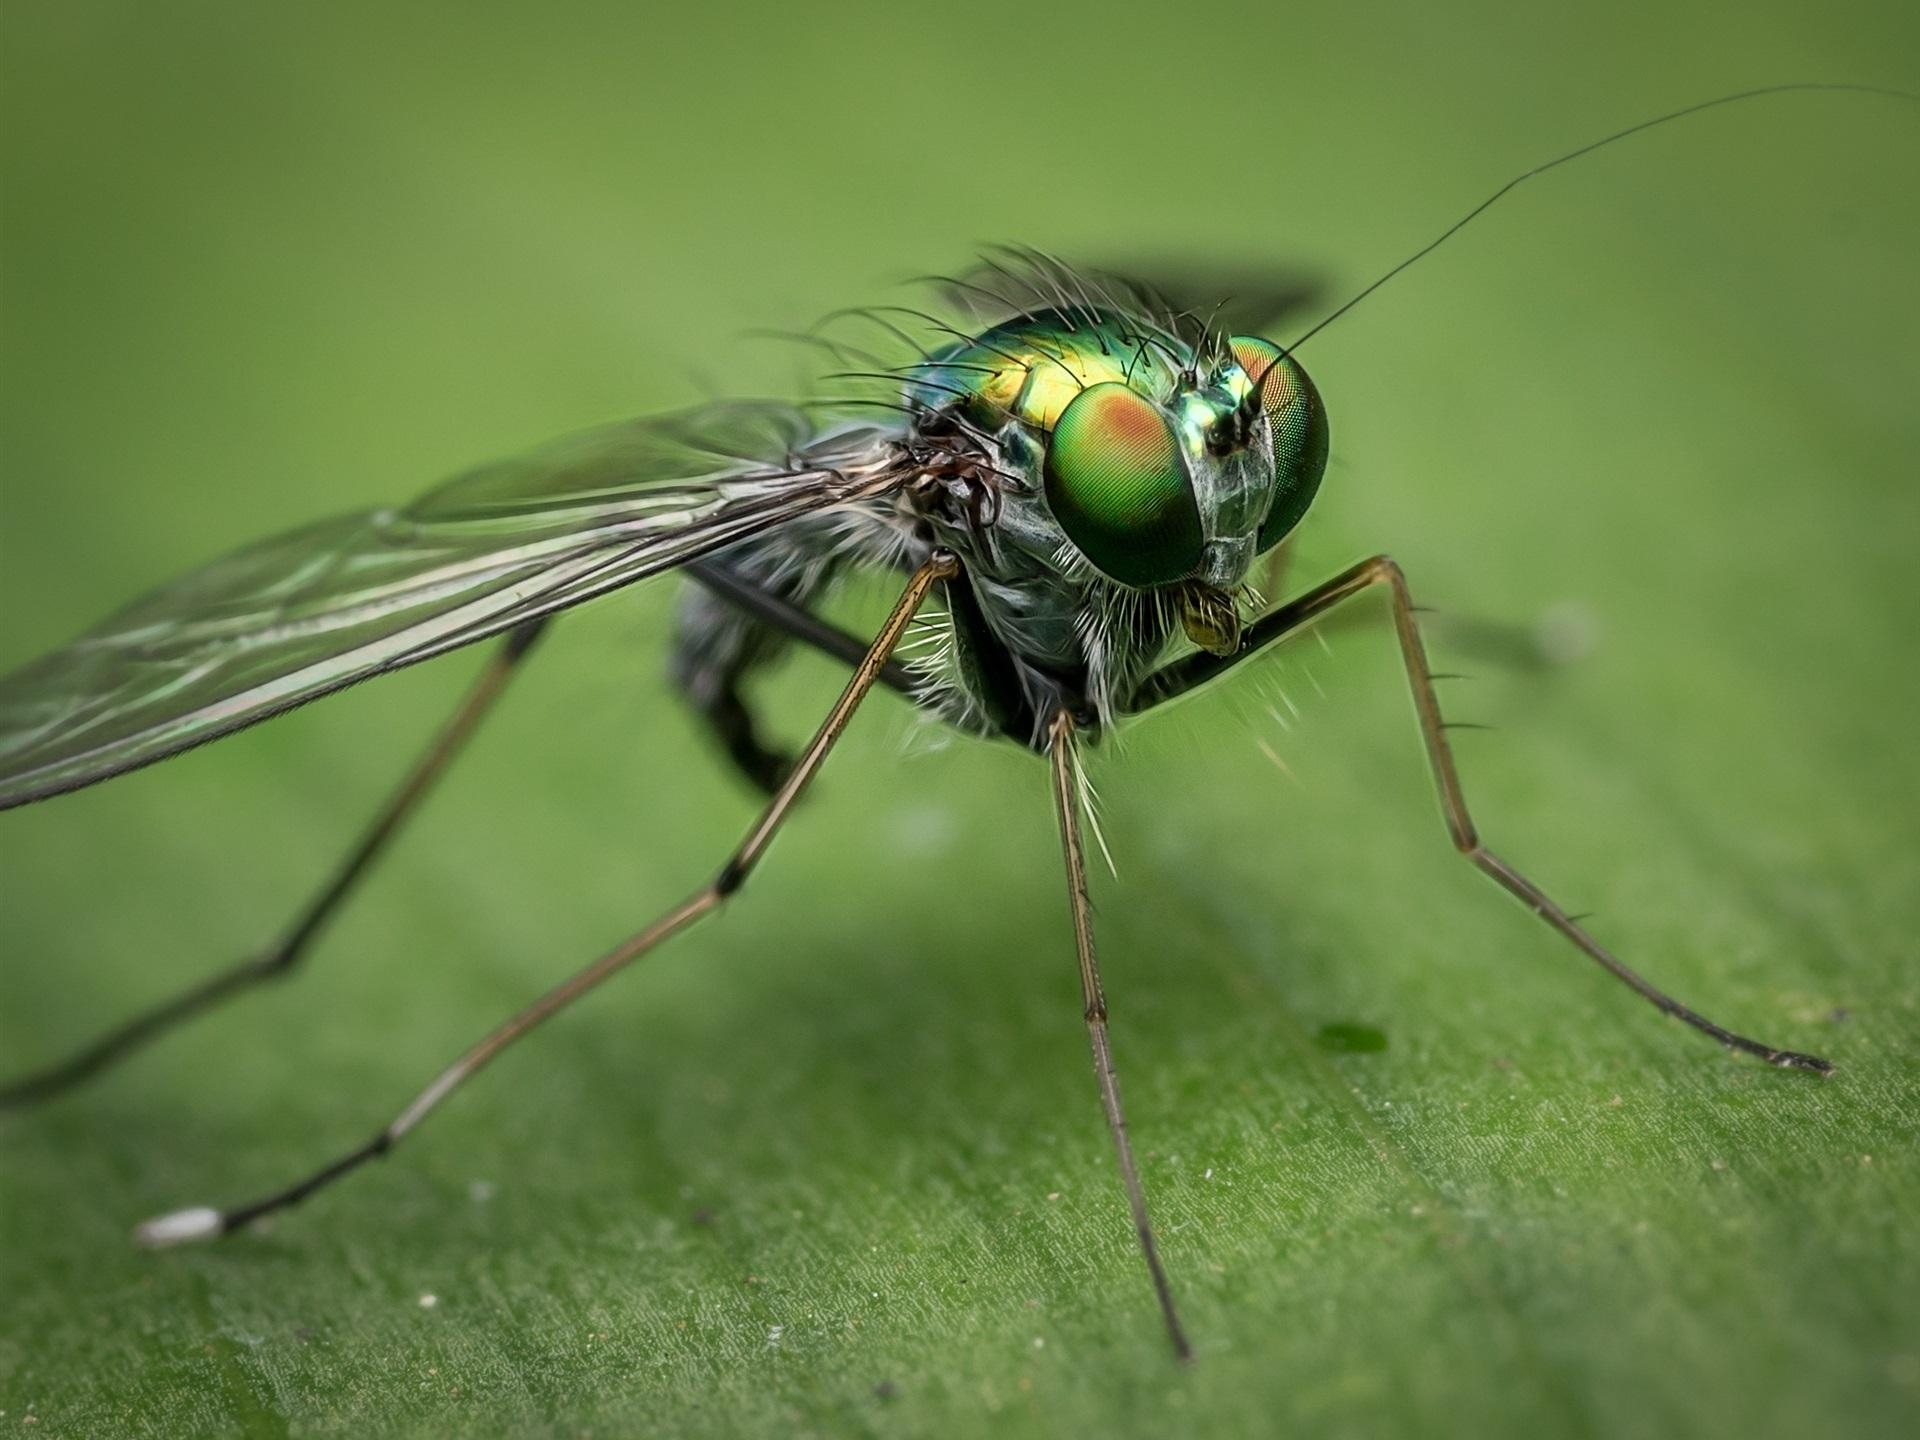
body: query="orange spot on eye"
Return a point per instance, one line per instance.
(1132, 422)
(1259, 360)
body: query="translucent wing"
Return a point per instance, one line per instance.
(1234, 297)
(1228, 296)
(295, 617)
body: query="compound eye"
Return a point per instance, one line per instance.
(1119, 488)
(1299, 424)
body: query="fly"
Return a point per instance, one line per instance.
(1083, 478)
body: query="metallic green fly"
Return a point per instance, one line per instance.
(1081, 470)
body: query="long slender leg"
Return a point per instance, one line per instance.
(1527, 645)
(1295, 615)
(279, 961)
(1066, 800)
(203, 1222)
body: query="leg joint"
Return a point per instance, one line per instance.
(279, 962)
(1384, 567)
(731, 877)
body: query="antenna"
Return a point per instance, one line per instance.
(1587, 149)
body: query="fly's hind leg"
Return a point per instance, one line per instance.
(279, 961)
(205, 1222)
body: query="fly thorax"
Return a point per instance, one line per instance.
(1031, 591)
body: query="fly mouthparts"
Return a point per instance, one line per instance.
(1210, 618)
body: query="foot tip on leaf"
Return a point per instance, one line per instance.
(1794, 1060)
(202, 1222)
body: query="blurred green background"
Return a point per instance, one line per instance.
(833, 1164)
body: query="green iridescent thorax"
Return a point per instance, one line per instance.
(1030, 369)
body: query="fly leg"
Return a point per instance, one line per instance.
(1296, 615)
(1066, 800)
(1540, 645)
(280, 960)
(720, 643)
(204, 1222)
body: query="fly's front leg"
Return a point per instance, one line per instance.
(279, 961)
(1296, 615)
(204, 1222)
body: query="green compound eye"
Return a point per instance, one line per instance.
(1118, 487)
(1299, 423)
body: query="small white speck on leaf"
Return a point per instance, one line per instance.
(1565, 633)
(925, 831)
(429, 1300)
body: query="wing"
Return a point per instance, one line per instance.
(1228, 296)
(1234, 297)
(295, 617)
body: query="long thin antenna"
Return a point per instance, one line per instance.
(1588, 149)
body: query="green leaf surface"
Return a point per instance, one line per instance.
(833, 1164)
